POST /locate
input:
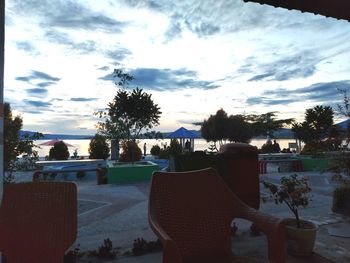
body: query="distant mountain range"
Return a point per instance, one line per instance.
(280, 134)
(48, 136)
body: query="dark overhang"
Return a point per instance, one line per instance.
(339, 9)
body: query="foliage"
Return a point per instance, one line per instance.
(59, 151)
(267, 148)
(175, 147)
(14, 145)
(72, 256)
(155, 150)
(316, 125)
(164, 153)
(153, 135)
(105, 251)
(98, 147)
(265, 124)
(239, 129)
(341, 197)
(340, 165)
(294, 192)
(131, 151)
(344, 110)
(133, 111)
(221, 127)
(80, 175)
(129, 113)
(141, 246)
(316, 148)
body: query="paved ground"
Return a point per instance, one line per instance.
(119, 212)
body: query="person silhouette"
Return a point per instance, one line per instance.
(276, 147)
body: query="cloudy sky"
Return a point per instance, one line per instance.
(194, 57)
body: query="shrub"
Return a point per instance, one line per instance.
(98, 147)
(267, 148)
(164, 153)
(80, 175)
(130, 149)
(59, 151)
(105, 251)
(175, 147)
(341, 197)
(141, 246)
(155, 150)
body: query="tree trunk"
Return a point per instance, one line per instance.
(114, 149)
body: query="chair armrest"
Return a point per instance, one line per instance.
(170, 250)
(272, 227)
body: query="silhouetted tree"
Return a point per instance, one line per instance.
(221, 128)
(98, 147)
(59, 151)
(14, 144)
(129, 113)
(316, 126)
(265, 124)
(239, 129)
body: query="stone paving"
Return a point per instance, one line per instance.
(119, 212)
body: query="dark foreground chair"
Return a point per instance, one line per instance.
(38, 221)
(191, 213)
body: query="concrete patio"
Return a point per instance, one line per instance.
(119, 212)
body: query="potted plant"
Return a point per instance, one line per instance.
(294, 192)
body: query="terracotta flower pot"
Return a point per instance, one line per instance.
(300, 241)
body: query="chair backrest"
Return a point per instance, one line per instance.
(195, 209)
(39, 221)
(237, 163)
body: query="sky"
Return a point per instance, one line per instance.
(194, 57)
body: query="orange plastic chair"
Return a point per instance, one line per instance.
(38, 221)
(191, 213)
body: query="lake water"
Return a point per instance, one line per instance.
(82, 146)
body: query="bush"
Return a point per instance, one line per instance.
(341, 199)
(175, 147)
(316, 148)
(98, 147)
(130, 149)
(59, 151)
(164, 153)
(105, 251)
(267, 148)
(155, 150)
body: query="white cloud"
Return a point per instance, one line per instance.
(199, 56)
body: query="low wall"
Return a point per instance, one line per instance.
(126, 173)
(314, 164)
